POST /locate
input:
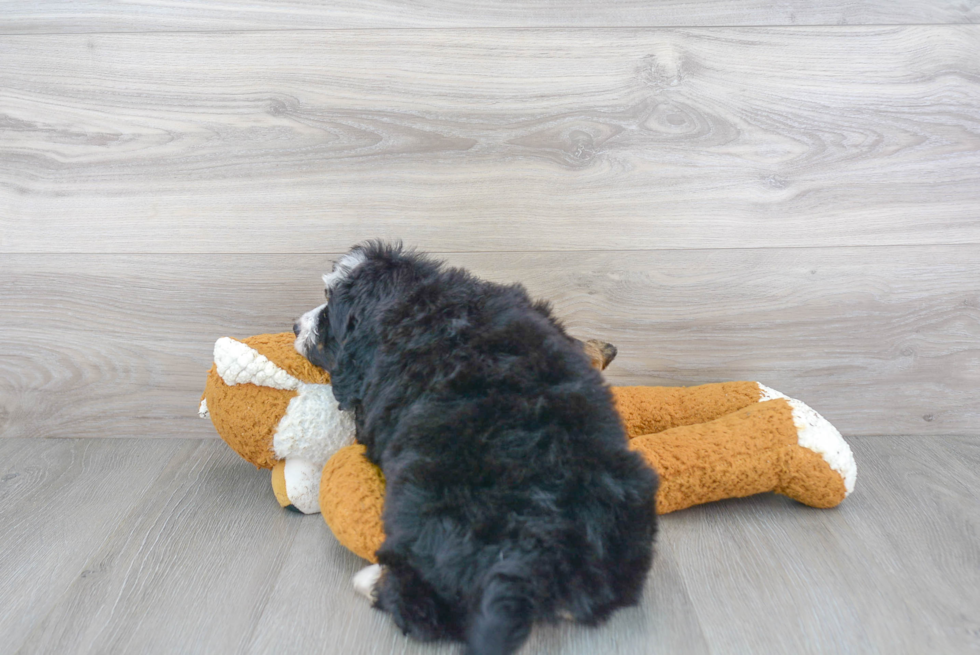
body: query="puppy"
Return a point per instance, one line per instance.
(511, 494)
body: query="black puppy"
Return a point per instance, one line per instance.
(511, 494)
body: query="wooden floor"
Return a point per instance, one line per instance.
(780, 191)
(177, 546)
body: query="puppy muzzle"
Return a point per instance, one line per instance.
(305, 331)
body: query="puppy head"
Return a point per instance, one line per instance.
(380, 268)
(312, 330)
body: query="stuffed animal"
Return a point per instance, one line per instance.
(277, 411)
(707, 443)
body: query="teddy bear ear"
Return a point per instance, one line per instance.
(280, 350)
(238, 363)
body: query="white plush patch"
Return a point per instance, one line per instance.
(769, 394)
(366, 580)
(816, 433)
(238, 363)
(314, 427)
(307, 331)
(202, 410)
(303, 485)
(343, 267)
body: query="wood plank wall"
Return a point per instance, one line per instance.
(787, 192)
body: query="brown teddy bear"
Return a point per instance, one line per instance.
(277, 411)
(709, 442)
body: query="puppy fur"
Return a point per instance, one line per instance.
(511, 494)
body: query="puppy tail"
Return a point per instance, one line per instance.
(502, 620)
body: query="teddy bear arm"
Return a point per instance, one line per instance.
(352, 493)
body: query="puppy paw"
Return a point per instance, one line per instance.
(366, 581)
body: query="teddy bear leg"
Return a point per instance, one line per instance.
(296, 484)
(773, 445)
(646, 410)
(810, 469)
(776, 445)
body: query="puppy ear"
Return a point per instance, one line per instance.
(343, 323)
(349, 351)
(347, 380)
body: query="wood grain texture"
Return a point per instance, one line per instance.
(485, 140)
(895, 569)
(207, 562)
(190, 567)
(295, 617)
(150, 15)
(60, 501)
(97, 345)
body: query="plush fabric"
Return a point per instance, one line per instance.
(707, 442)
(269, 403)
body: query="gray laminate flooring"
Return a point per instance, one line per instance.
(177, 546)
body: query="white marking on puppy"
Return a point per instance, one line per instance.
(366, 581)
(307, 330)
(305, 340)
(343, 268)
